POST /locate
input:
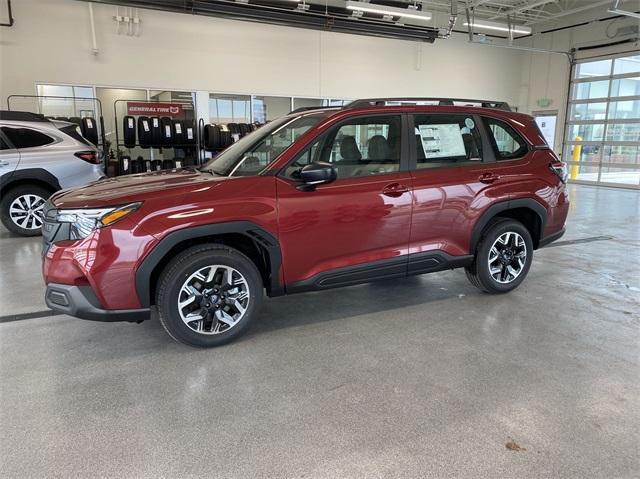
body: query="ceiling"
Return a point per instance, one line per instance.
(333, 14)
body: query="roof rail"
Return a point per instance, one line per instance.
(11, 115)
(309, 108)
(499, 105)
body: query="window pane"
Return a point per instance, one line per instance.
(626, 155)
(444, 140)
(267, 108)
(624, 109)
(623, 132)
(508, 143)
(588, 111)
(308, 102)
(626, 87)
(584, 172)
(366, 146)
(585, 132)
(593, 69)
(624, 176)
(626, 65)
(26, 137)
(229, 108)
(592, 89)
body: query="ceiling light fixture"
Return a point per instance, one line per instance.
(501, 27)
(384, 10)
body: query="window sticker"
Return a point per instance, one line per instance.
(442, 141)
(469, 123)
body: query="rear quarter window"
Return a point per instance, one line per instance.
(21, 137)
(507, 142)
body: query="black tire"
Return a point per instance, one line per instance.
(156, 165)
(89, 129)
(125, 165)
(211, 137)
(144, 131)
(183, 266)
(178, 133)
(129, 131)
(478, 273)
(32, 227)
(156, 132)
(168, 164)
(189, 132)
(167, 131)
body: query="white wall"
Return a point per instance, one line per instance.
(51, 43)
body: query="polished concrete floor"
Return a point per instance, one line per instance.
(424, 377)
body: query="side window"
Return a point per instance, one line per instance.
(507, 143)
(446, 140)
(365, 146)
(3, 144)
(360, 147)
(26, 137)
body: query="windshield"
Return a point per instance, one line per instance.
(250, 155)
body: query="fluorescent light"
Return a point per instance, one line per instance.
(384, 10)
(501, 27)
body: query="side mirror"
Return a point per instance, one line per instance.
(316, 174)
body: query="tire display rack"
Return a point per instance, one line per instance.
(92, 128)
(153, 133)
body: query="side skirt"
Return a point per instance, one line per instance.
(413, 264)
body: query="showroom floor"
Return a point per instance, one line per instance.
(424, 377)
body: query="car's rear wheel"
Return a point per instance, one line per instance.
(208, 295)
(503, 257)
(22, 207)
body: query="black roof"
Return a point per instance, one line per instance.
(500, 105)
(10, 115)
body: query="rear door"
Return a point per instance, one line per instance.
(452, 168)
(356, 228)
(9, 156)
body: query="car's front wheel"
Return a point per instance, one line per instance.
(22, 207)
(503, 257)
(208, 295)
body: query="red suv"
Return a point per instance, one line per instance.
(317, 199)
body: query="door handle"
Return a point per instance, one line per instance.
(488, 178)
(394, 190)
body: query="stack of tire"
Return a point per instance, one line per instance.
(155, 132)
(218, 137)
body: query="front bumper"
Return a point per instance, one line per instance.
(81, 302)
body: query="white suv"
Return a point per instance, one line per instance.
(37, 158)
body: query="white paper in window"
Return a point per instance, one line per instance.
(442, 141)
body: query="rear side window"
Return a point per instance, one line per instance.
(507, 143)
(74, 132)
(446, 140)
(26, 137)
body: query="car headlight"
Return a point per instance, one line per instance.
(83, 221)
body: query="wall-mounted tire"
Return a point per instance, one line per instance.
(211, 137)
(137, 165)
(167, 131)
(76, 119)
(156, 165)
(233, 128)
(168, 164)
(89, 129)
(226, 139)
(245, 129)
(129, 131)
(178, 132)
(144, 131)
(125, 165)
(189, 132)
(156, 132)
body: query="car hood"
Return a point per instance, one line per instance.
(130, 188)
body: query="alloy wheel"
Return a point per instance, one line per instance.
(213, 299)
(26, 211)
(507, 257)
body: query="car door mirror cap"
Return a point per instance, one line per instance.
(315, 174)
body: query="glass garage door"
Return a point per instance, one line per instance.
(603, 122)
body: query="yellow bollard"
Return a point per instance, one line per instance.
(575, 156)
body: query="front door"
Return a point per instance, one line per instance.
(356, 228)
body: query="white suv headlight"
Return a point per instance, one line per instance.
(84, 221)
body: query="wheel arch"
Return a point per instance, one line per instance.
(525, 210)
(28, 176)
(256, 243)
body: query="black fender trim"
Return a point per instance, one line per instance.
(29, 174)
(252, 231)
(497, 208)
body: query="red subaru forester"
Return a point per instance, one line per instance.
(376, 190)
